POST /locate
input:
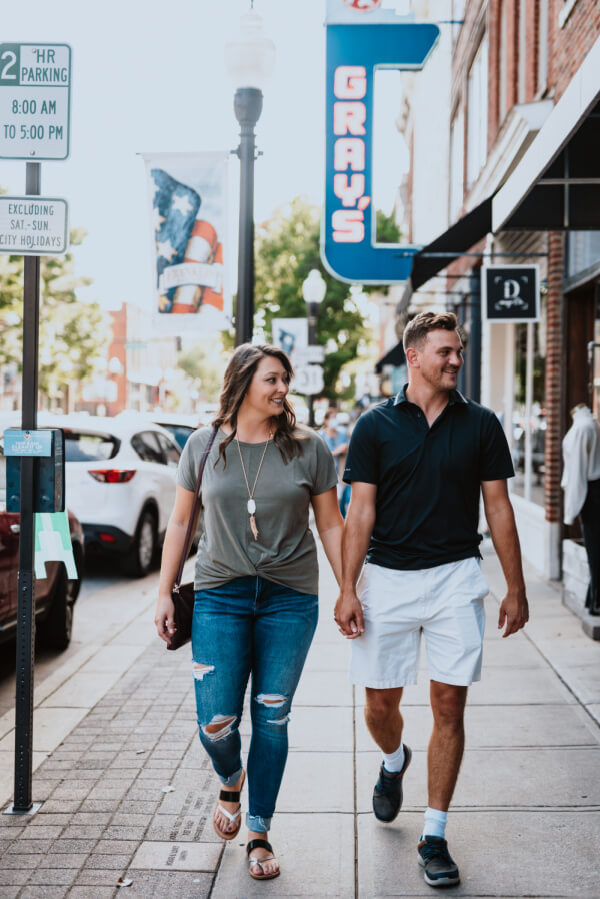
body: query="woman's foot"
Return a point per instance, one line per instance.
(227, 818)
(263, 864)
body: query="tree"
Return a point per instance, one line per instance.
(204, 365)
(287, 248)
(73, 334)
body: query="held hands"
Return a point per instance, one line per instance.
(164, 618)
(348, 616)
(514, 612)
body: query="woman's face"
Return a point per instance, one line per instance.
(268, 387)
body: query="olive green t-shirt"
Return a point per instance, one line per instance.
(285, 551)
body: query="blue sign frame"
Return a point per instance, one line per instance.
(354, 53)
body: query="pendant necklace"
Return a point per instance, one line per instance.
(251, 505)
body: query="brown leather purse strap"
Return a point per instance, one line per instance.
(193, 515)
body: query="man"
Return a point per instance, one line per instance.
(417, 463)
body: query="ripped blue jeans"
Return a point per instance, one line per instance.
(250, 627)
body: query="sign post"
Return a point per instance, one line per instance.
(35, 103)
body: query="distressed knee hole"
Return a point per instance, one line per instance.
(280, 721)
(272, 700)
(200, 671)
(220, 727)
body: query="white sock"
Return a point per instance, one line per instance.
(394, 762)
(435, 823)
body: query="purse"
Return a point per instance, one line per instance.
(183, 594)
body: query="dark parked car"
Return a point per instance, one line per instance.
(55, 594)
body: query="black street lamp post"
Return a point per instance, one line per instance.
(249, 58)
(248, 107)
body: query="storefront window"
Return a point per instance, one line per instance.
(529, 415)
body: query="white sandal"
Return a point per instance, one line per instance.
(261, 844)
(233, 817)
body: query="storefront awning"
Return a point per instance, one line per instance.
(556, 185)
(395, 357)
(450, 245)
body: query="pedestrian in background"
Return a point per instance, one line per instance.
(256, 580)
(335, 436)
(417, 463)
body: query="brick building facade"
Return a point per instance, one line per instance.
(522, 167)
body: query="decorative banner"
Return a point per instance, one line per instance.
(188, 197)
(361, 36)
(510, 293)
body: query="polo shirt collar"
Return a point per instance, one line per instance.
(455, 397)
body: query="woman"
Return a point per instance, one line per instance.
(256, 580)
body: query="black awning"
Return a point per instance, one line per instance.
(395, 356)
(450, 245)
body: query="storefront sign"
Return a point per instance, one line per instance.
(510, 293)
(33, 226)
(35, 101)
(354, 51)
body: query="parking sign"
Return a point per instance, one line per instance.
(35, 101)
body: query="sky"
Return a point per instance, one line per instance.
(149, 76)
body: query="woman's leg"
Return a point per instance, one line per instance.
(283, 630)
(222, 657)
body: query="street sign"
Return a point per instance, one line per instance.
(510, 293)
(35, 101)
(305, 354)
(33, 226)
(308, 380)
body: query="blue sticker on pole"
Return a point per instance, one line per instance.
(27, 443)
(354, 52)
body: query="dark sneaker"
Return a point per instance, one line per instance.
(387, 795)
(440, 869)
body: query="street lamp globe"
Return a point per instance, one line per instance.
(314, 287)
(250, 54)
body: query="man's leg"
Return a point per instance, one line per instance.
(383, 718)
(447, 742)
(444, 756)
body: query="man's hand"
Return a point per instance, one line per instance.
(348, 616)
(514, 611)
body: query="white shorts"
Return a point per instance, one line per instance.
(445, 602)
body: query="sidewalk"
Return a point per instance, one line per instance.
(525, 819)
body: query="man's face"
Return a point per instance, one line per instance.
(440, 359)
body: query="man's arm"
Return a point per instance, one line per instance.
(514, 611)
(357, 533)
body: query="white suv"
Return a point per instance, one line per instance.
(120, 482)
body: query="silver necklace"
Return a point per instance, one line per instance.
(251, 504)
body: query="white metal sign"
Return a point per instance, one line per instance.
(308, 380)
(306, 354)
(35, 101)
(33, 226)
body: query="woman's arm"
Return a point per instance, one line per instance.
(330, 526)
(171, 555)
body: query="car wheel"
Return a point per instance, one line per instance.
(139, 560)
(57, 627)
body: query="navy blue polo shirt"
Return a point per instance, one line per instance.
(428, 478)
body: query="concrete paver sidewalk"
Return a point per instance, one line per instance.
(525, 819)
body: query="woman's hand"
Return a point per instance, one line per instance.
(164, 618)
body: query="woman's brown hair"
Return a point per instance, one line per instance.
(236, 381)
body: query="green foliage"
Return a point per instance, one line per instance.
(287, 248)
(387, 230)
(205, 367)
(73, 334)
